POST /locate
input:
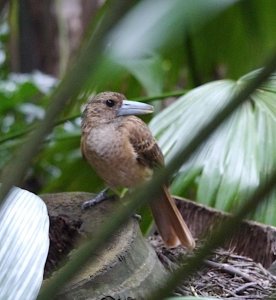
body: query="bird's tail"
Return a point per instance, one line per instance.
(170, 223)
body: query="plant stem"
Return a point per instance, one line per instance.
(23, 132)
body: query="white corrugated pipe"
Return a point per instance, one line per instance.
(24, 245)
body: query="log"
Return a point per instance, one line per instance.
(126, 268)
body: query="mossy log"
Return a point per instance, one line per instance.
(126, 268)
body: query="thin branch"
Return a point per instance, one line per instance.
(245, 286)
(16, 134)
(161, 96)
(229, 269)
(20, 133)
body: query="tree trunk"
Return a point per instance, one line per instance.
(34, 37)
(126, 268)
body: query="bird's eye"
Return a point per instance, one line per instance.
(110, 102)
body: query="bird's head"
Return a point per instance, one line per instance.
(107, 106)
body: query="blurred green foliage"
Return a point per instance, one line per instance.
(156, 49)
(190, 44)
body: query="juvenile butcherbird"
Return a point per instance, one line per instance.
(123, 152)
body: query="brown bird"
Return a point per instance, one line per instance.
(123, 152)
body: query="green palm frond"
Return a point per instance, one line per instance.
(237, 157)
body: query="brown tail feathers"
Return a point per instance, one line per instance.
(170, 223)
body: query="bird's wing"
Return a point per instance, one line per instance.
(169, 221)
(148, 152)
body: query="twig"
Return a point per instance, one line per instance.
(229, 269)
(266, 272)
(249, 297)
(245, 286)
(194, 293)
(243, 258)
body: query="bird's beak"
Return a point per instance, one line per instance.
(134, 108)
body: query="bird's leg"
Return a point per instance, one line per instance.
(108, 194)
(102, 196)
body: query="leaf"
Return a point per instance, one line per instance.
(215, 45)
(148, 71)
(142, 38)
(237, 157)
(24, 243)
(146, 27)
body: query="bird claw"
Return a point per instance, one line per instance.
(102, 196)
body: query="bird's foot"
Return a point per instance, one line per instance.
(102, 196)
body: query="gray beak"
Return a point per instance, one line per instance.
(134, 108)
